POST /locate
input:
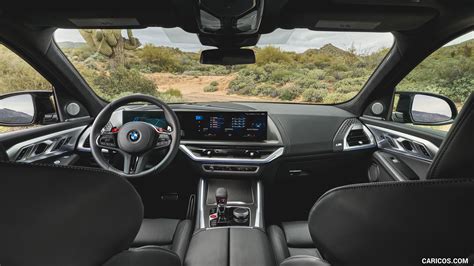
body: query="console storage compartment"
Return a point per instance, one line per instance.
(231, 246)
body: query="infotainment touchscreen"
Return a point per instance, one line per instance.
(237, 126)
(245, 126)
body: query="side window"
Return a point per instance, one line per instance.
(448, 72)
(25, 96)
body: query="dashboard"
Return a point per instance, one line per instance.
(227, 138)
(216, 126)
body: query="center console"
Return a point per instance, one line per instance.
(229, 202)
(230, 225)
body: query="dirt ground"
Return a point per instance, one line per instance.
(192, 87)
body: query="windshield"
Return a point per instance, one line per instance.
(299, 66)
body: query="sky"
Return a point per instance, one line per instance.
(298, 40)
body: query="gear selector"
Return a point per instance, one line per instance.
(221, 200)
(223, 215)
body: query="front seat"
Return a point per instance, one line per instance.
(400, 223)
(291, 239)
(171, 234)
(56, 216)
(403, 222)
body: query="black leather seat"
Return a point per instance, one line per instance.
(291, 239)
(398, 223)
(171, 234)
(56, 216)
(392, 223)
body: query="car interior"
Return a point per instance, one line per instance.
(136, 179)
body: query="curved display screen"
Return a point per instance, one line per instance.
(237, 126)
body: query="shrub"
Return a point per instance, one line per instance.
(280, 76)
(240, 85)
(210, 88)
(254, 73)
(160, 59)
(266, 90)
(311, 82)
(174, 92)
(317, 74)
(121, 81)
(314, 95)
(17, 75)
(272, 54)
(336, 97)
(214, 83)
(169, 98)
(290, 93)
(350, 85)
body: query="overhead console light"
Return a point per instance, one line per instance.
(229, 17)
(209, 23)
(248, 23)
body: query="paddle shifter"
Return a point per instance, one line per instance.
(221, 200)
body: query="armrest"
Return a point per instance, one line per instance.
(303, 260)
(145, 256)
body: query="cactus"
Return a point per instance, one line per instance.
(111, 44)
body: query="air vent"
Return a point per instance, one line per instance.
(87, 143)
(424, 150)
(58, 145)
(357, 137)
(407, 145)
(390, 141)
(40, 148)
(23, 153)
(353, 135)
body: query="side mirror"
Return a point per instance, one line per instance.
(424, 109)
(27, 108)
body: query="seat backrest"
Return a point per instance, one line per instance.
(395, 223)
(65, 216)
(455, 158)
(402, 222)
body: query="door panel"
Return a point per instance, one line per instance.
(405, 153)
(45, 144)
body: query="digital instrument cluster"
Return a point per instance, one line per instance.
(235, 126)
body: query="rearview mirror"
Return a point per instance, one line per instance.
(26, 108)
(424, 109)
(227, 57)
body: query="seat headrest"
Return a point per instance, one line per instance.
(454, 158)
(65, 216)
(394, 223)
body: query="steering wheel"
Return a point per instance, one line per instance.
(135, 140)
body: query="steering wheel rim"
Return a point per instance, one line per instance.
(103, 118)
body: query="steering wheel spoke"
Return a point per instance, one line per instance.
(108, 140)
(134, 163)
(163, 141)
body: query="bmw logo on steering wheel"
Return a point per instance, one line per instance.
(134, 135)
